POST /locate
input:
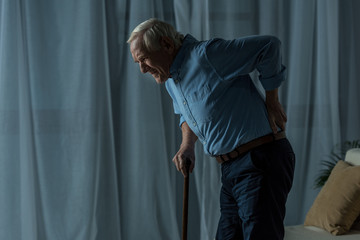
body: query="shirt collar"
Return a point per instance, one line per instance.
(179, 58)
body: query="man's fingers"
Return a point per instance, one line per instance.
(273, 126)
(192, 166)
(277, 116)
(183, 165)
(179, 163)
(184, 173)
(278, 120)
(183, 170)
(282, 125)
(176, 162)
(284, 116)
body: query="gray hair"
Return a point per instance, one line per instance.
(152, 30)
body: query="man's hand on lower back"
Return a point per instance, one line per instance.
(276, 113)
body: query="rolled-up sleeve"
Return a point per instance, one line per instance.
(232, 58)
(177, 111)
(274, 81)
(175, 105)
(182, 120)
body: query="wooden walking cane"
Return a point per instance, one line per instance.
(186, 201)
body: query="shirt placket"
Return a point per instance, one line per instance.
(188, 114)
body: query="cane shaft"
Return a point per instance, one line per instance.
(185, 204)
(185, 208)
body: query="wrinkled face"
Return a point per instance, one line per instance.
(156, 63)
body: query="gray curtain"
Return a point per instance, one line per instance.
(86, 140)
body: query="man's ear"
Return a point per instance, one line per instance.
(167, 44)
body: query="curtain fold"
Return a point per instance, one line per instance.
(58, 167)
(349, 60)
(86, 140)
(150, 199)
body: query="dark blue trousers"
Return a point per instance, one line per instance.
(254, 190)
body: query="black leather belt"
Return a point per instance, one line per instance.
(249, 145)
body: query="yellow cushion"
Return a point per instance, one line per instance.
(338, 203)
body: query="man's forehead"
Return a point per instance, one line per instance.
(137, 49)
(136, 45)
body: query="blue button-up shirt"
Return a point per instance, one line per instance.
(213, 92)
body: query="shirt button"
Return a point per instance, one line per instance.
(184, 102)
(194, 123)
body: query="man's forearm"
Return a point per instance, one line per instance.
(188, 136)
(272, 95)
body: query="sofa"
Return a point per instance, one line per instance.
(335, 213)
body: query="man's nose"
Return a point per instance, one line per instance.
(143, 67)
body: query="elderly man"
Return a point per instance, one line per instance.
(219, 105)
